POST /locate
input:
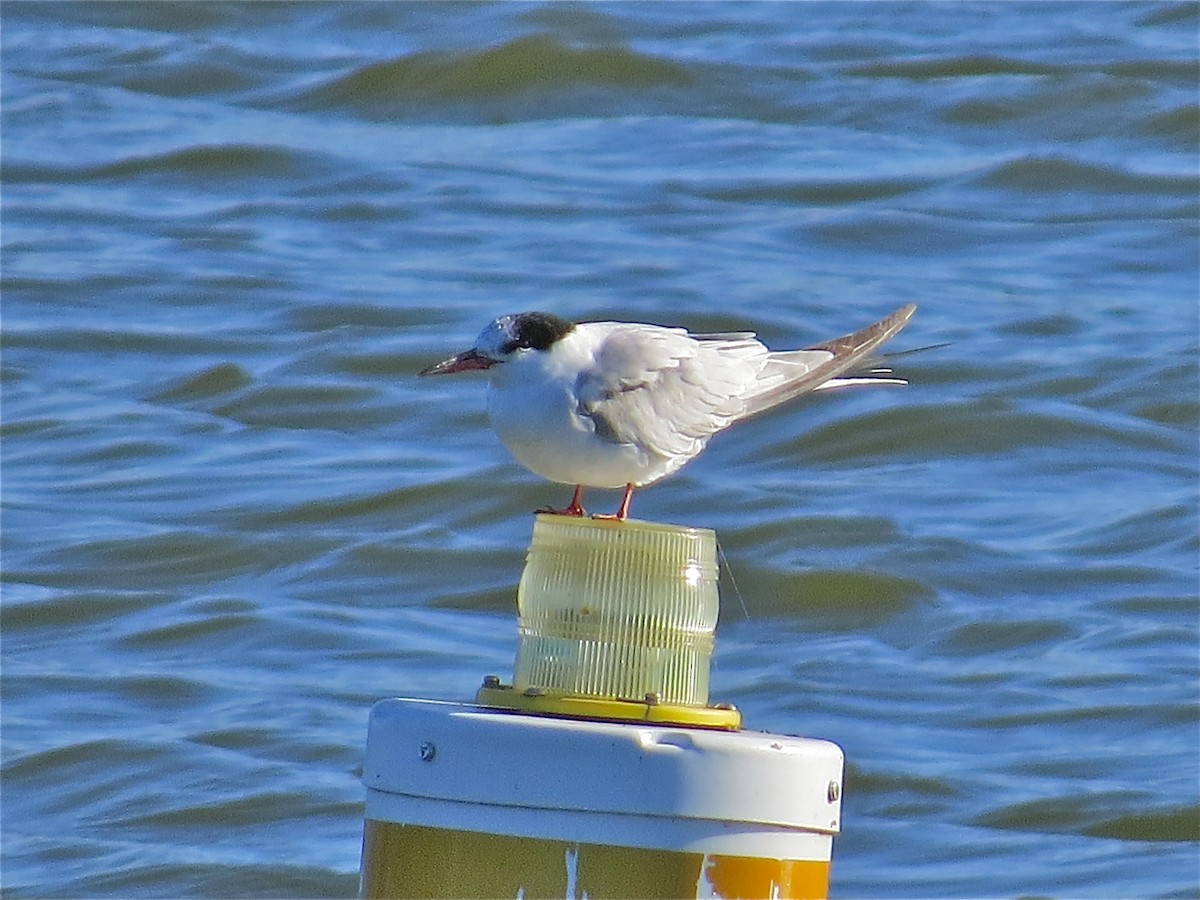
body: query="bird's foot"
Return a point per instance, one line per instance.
(621, 514)
(576, 511)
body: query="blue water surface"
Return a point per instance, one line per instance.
(233, 518)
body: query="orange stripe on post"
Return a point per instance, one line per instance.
(403, 861)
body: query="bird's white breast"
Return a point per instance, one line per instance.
(535, 413)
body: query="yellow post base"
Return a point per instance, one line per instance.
(402, 861)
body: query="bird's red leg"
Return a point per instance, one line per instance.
(575, 509)
(623, 512)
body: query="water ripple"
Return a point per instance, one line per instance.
(233, 517)
(532, 63)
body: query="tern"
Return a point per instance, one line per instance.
(623, 405)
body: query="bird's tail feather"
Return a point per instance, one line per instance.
(852, 363)
(876, 369)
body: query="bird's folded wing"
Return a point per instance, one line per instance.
(665, 391)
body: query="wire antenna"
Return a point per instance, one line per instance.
(725, 562)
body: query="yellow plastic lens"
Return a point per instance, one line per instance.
(617, 609)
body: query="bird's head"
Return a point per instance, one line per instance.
(504, 339)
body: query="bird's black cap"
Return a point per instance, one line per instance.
(536, 331)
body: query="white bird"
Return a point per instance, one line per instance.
(622, 405)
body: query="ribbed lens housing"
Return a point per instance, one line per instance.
(617, 609)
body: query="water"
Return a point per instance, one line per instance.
(233, 518)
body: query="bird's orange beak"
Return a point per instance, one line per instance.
(464, 362)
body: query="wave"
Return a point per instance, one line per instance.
(221, 161)
(1085, 814)
(1043, 174)
(963, 66)
(532, 63)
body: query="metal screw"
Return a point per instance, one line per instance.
(652, 698)
(491, 681)
(428, 751)
(533, 692)
(835, 791)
